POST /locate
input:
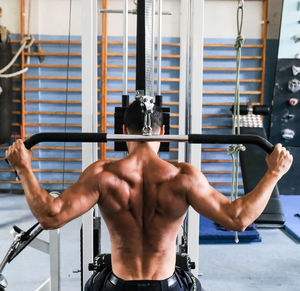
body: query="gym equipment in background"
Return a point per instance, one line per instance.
(285, 116)
(253, 167)
(6, 92)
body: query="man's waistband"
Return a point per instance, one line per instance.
(170, 282)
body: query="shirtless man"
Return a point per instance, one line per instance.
(143, 201)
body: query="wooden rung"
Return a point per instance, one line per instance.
(232, 57)
(53, 90)
(213, 150)
(232, 45)
(57, 182)
(230, 69)
(173, 149)
(54, 78)
(216, 127)
(52, 66)
(52, 159)
(225, 104)
(57, 159)
(231, 92)
(52, 54)
(53, 113)
(61, 148)
(53, 125)
(41, 182)
(217, 172)
(46, 170)
(231, 81)
(215, 161)
(52, 42)
(223, 183)
(53, 101)
(216, 115)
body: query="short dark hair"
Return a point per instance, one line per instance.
(134, 118)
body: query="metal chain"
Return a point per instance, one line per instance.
(147, 104)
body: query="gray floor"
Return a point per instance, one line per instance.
(273, 264)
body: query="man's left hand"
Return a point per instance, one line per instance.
(18, 156)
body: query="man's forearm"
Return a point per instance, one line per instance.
(39, 200)
(250, 206)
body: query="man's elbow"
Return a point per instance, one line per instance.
(51, 220)
(239, 224)
(48, 224)
(238, 218)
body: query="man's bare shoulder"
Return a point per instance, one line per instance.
(187, 169)
(189, 175)
(95, 169)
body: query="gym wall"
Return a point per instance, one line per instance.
(45, 84)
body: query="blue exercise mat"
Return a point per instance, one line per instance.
(291, 206)
(210, 233)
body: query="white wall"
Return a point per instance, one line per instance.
(220, 19)
(51, 17)
(10, 14)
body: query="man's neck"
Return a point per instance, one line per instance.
(135, 147)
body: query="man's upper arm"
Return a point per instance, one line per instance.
(78, 198)
(205, 199)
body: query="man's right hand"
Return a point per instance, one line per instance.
(279, 161)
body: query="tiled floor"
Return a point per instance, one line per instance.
(273, 264)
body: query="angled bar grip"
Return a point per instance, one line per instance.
(64, 137)
(234, 139)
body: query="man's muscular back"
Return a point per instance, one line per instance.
(143, 204)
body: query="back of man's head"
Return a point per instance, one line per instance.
(134, 118)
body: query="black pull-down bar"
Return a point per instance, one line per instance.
(191, 138)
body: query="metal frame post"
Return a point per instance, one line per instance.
(89, 115)
(196, 79)
(153, 43)
(144, 49)
(184, 71)
(125, 47)
(54, 252)
(159, 47)
(53, 249)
